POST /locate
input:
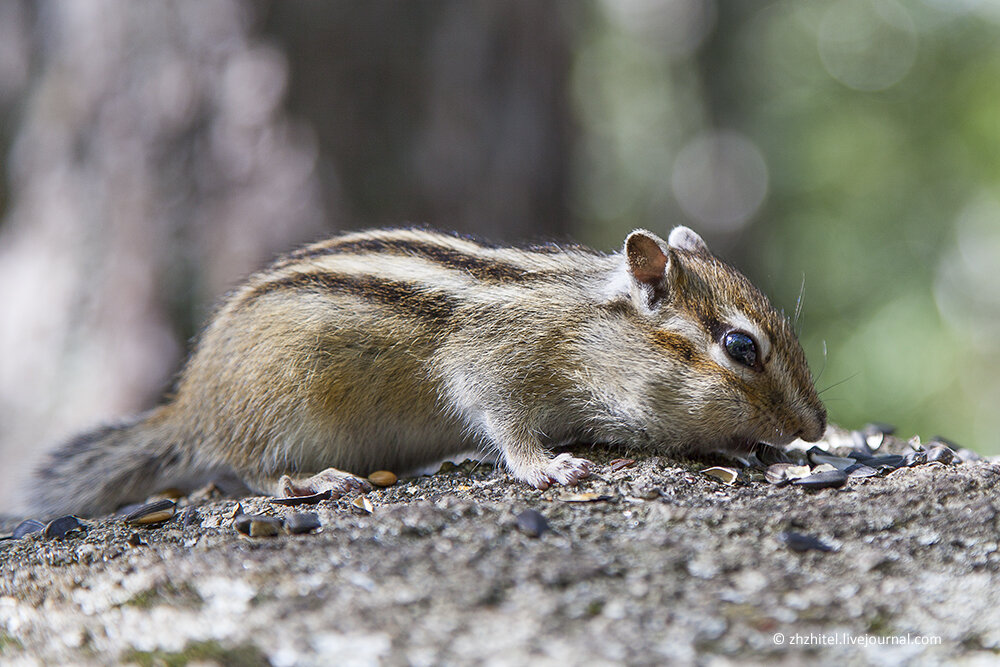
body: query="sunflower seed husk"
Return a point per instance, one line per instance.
(890, 461)
(838, 462)
(822, 467)
(310, 499)
(861, 470)
(940, 454)
(532, 523)
(726, 475)
(27, 527)
(363, 504)
(797, 472)
(157, 511)
(61, 527)
(828, 479)
(776, 474)
(914, 459)
(302, 522)
(190, 517)
(800, 542)
(618, 464)
(584, 497)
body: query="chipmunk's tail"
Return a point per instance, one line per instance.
(101, 470)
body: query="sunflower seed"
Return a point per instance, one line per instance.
(801, 542)
(310, 499)
(27, 527)
(302, 522)
(889, 461)
(532, 523)
(940, 454)
(382, 478)
(914, 459)
(828, 479)
(61, 527)
(157, 511)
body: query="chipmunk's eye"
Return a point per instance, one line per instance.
(741, 348)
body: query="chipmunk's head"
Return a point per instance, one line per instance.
(742, 374)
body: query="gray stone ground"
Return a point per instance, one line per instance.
(667, 566)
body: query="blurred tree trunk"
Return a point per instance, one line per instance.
(155, 162)
(455, 114)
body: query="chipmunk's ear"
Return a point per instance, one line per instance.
(655, 265)
(646, 254)
(685, 238)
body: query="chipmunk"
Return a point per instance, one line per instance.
(392, 349)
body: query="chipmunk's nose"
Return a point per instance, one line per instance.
(813, 426)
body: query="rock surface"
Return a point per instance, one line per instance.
(643, 563)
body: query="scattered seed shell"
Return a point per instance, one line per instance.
(157, 511)
(800, 542)
(890, 461)
(382, 478)
(61, 527)
(27, 527)
(823, 467)
(940, 454)
(532, 523)
(797, 472)
(838, 462)
(618, 464)
(861, 470)
(190, 517)
(310, 499)
(776, 474)
(914, 459)
(302, 522)
(584, 498)
(829, 479)
(727, 475)
(362, 503)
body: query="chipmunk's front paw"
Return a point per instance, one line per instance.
(563, 469)
(337, 482)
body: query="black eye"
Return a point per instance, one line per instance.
(741, 348)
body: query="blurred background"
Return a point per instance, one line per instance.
(156, 153)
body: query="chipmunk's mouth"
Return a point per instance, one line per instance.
(741, 445)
